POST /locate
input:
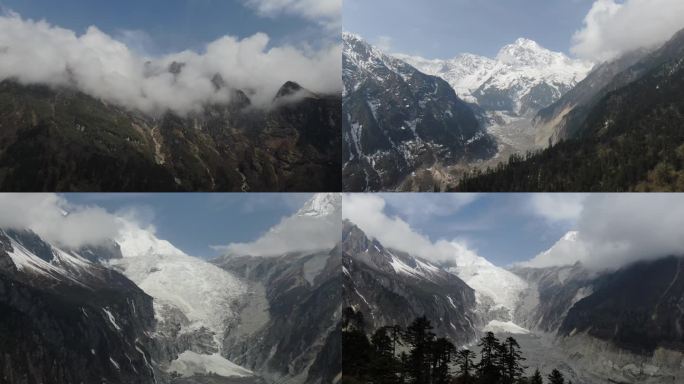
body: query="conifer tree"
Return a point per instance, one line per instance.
(488, 369)
(536, 378)
(464, 360)
(419, 338)
(383, 366)
(512, 367)
(556, 377)
(442, 353)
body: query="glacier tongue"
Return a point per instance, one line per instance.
(191, 363)
(498, 290)
(204, 293)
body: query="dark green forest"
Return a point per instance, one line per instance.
(415, 355)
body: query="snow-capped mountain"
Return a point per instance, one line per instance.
(195, 302)
(399, 120)
(322, 205)
(180, 284)
(62, 312)
(497, 289)
(523, 78)
(392, 287)
(287, 329)
(610, 325)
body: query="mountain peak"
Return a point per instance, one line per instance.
(525, 42)
(321, 204)
(523, 51)
(293, 90)
(289, 88)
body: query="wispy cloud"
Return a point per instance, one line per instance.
(324, 12)
(295, 233)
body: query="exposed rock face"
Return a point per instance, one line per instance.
(550, 295)
(398, 119)
(623, 325)
(290, 330)
(60, 313)
(63, 140)
(390, 287)
(639, 308)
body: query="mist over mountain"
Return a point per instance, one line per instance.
(143, 311)
(608, 314)
(36, 52)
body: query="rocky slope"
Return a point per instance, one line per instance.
(611, 326)
(398, 120)
(562, 119)
(288, 330)
(64, 140)
(61, 312)
(391, 287)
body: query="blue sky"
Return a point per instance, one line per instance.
(166, 26)
(445, 28)
(195, 221)
(503, 228)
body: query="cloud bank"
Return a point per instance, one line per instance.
(614, 230)
(614, 27)
(56, 221)
(36, 52)
(305, 231)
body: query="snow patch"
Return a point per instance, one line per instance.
(111, 318)
(497, 326)
(191, 363)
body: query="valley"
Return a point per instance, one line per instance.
(538, 112)
(594, 325)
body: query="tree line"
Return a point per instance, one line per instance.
(415, 355)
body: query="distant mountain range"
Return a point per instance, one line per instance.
(523, 78)
(59, 139)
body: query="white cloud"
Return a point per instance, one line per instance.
(558, 207)
(297, 233)
(615, 230)
(55, 220)
(326, 12)
(35, 52)
(367, 212)
(613, 27)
